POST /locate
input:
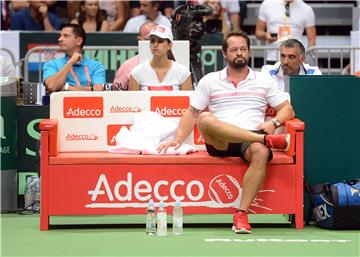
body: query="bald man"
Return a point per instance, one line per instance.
(123, 73)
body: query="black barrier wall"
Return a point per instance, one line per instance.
(330, 108)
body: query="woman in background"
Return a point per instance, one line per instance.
(90, 17)
(160, 72)
(217, 14)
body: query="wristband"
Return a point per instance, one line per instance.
(66, 87)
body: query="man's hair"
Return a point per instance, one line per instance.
(145, 29)
(293, 43)
(238, 33)
(78, 31)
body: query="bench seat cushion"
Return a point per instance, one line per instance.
(71, 158)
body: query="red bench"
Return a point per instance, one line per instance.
(101, 183)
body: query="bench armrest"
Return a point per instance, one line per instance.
(49, 129)
(292, 127)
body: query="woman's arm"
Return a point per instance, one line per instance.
(133, 85)
(187, 84)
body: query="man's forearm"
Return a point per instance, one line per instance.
(286, 113)
(56, 82)
(186, 125)
(47, 25)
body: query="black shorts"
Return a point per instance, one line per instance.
(234, 150)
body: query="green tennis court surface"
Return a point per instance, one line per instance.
(20, 236)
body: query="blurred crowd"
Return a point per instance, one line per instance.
(107, 15)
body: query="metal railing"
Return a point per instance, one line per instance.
(89, 49)
(10, 54)
(331, 60)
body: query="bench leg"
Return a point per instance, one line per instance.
(44, 222)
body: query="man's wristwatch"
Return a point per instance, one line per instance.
(276, 123)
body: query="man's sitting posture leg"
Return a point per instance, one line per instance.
(252, 148)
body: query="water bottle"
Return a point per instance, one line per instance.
(150, 219)
(177, 219)
(36, 194)
(161, 220)
(28, 197)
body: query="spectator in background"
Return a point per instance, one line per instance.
(74, 71)
(292, 58)
(231, 12)
(123, 73)
(160, 72)
(90, 17)
(279, 20)
(35, 17)
(217, 14)
(117, 13)
(150, 12)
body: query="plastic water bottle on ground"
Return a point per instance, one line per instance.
(161, 218)
(28, 196)
(36, 194)
(150, 219)
(177, 219)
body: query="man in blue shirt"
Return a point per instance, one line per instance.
(74, 71)
(35, 17)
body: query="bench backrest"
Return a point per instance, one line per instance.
(89, 121)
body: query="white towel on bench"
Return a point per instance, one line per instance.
(147, 132)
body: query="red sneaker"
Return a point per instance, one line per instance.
(241, 223)
(280, 142)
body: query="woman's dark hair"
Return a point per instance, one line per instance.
(82, 17)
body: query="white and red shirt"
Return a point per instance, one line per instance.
(242, 105)
(146, 77)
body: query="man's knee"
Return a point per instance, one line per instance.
(204, 119)
(259, 152)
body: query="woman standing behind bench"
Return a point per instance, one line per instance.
(160, 72)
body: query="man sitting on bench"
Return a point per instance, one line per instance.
(236, 99)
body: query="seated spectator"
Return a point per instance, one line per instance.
(35, 17)
(74, 71)
(160, 72)
(292, 57)
(123, 73)
(150, 12)
(217, 14)
(117, 13)
(90, 17)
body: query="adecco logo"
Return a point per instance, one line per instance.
(169, 106)
(122, 109)
(83, 107)
(220, 191)
(81, 137)
(112, 130)
(198, 139)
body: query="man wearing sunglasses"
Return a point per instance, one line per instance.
(292, 62)
(280, 20)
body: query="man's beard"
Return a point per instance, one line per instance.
(238, 64)
(288, 71)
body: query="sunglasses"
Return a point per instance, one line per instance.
(287, 9)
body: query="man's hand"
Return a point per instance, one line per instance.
(75, 58)
(270, 38)
(162, 148)
(43, 9)
(268, 127)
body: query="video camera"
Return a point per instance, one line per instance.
(188, 24)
